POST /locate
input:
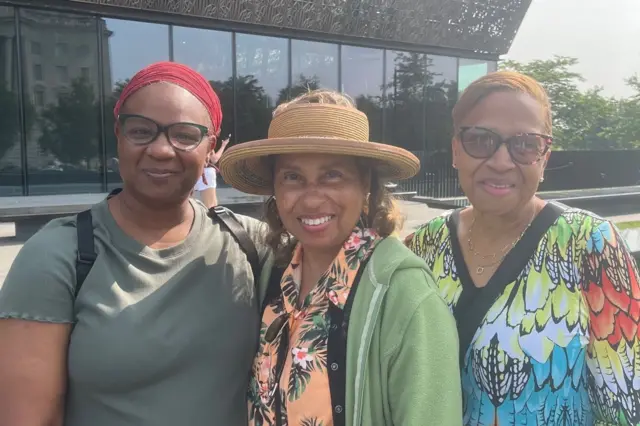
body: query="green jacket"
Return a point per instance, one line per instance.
(402, 346)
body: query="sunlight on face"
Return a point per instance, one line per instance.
(319, 198)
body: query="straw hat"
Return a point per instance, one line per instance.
(313, 128)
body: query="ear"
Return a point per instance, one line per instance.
(545, 160)
(212, 143)
(455, 150)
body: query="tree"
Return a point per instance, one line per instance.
(9, 120)
(70, 128)
(584, 119)
(304, 84)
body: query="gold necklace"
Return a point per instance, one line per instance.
(480, 269)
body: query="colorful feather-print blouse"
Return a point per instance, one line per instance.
(565, 348)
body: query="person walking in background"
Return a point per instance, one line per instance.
(353, 331)
(206, 185)
(164, 328)
(546, 298)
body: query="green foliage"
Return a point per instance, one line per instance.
(70, 127)
(585, 119)
(9, 120)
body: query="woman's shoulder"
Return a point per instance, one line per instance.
(430, 229)
(404, 273)
(582, 224)
(40, 283)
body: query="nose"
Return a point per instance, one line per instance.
(501, 160)
(161, 148)
(313, 199)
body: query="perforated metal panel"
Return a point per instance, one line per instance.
(486, 26)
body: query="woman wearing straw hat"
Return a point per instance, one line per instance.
(353, 332)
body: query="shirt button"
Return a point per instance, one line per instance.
(334, 366)
(338, 409)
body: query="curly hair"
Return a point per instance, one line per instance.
(380, 213)
(502, 81)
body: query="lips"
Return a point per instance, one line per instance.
(496, 187)
(159, 173)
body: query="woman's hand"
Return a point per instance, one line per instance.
(33, 372)
(214, 156)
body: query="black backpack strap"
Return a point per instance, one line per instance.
(240, 234)
(86, 248)
(474, 303)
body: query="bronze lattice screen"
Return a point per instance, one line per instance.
(487, 26)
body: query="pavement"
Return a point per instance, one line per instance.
(415, 215)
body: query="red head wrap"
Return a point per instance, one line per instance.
(180, 75)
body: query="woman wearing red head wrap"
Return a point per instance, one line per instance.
(165, 325)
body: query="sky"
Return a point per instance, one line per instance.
(603, 34)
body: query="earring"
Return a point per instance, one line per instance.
(541, 179)
(365, 206)
(454, 166)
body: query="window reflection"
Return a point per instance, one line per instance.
(362, 79)
(10, 133)
(209, 53)
(442, 93)
(261, 83)
(471, 70)
(62, 105)
(406, 76)
(128, 47)
(313, 65)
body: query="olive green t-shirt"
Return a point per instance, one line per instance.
(162, 337)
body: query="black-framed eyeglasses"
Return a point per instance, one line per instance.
(141, 130)
(524, 148)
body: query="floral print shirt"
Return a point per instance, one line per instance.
(304, 382)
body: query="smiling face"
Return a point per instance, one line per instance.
(319, 198)
(498, 185)
(157, 173)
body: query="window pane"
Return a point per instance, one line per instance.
(129, 46)
(405, 112)
(362, 73)
(10, 152)
(209, 53)
(314, 65)
(262, 80)
(62, 113)
(471, 70)
(442, 94)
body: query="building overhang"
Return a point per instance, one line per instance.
(481, 26)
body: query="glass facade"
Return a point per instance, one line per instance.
(62, 73)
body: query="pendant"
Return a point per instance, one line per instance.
(480, 270)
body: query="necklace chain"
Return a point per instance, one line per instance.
(505, 250)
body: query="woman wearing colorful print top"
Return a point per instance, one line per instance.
(546, 298)
(353, 331)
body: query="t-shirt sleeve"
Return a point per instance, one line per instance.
(41, 281)
(257, 231)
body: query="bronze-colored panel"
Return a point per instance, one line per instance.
(487, 26)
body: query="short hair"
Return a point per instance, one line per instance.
(502, 81)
